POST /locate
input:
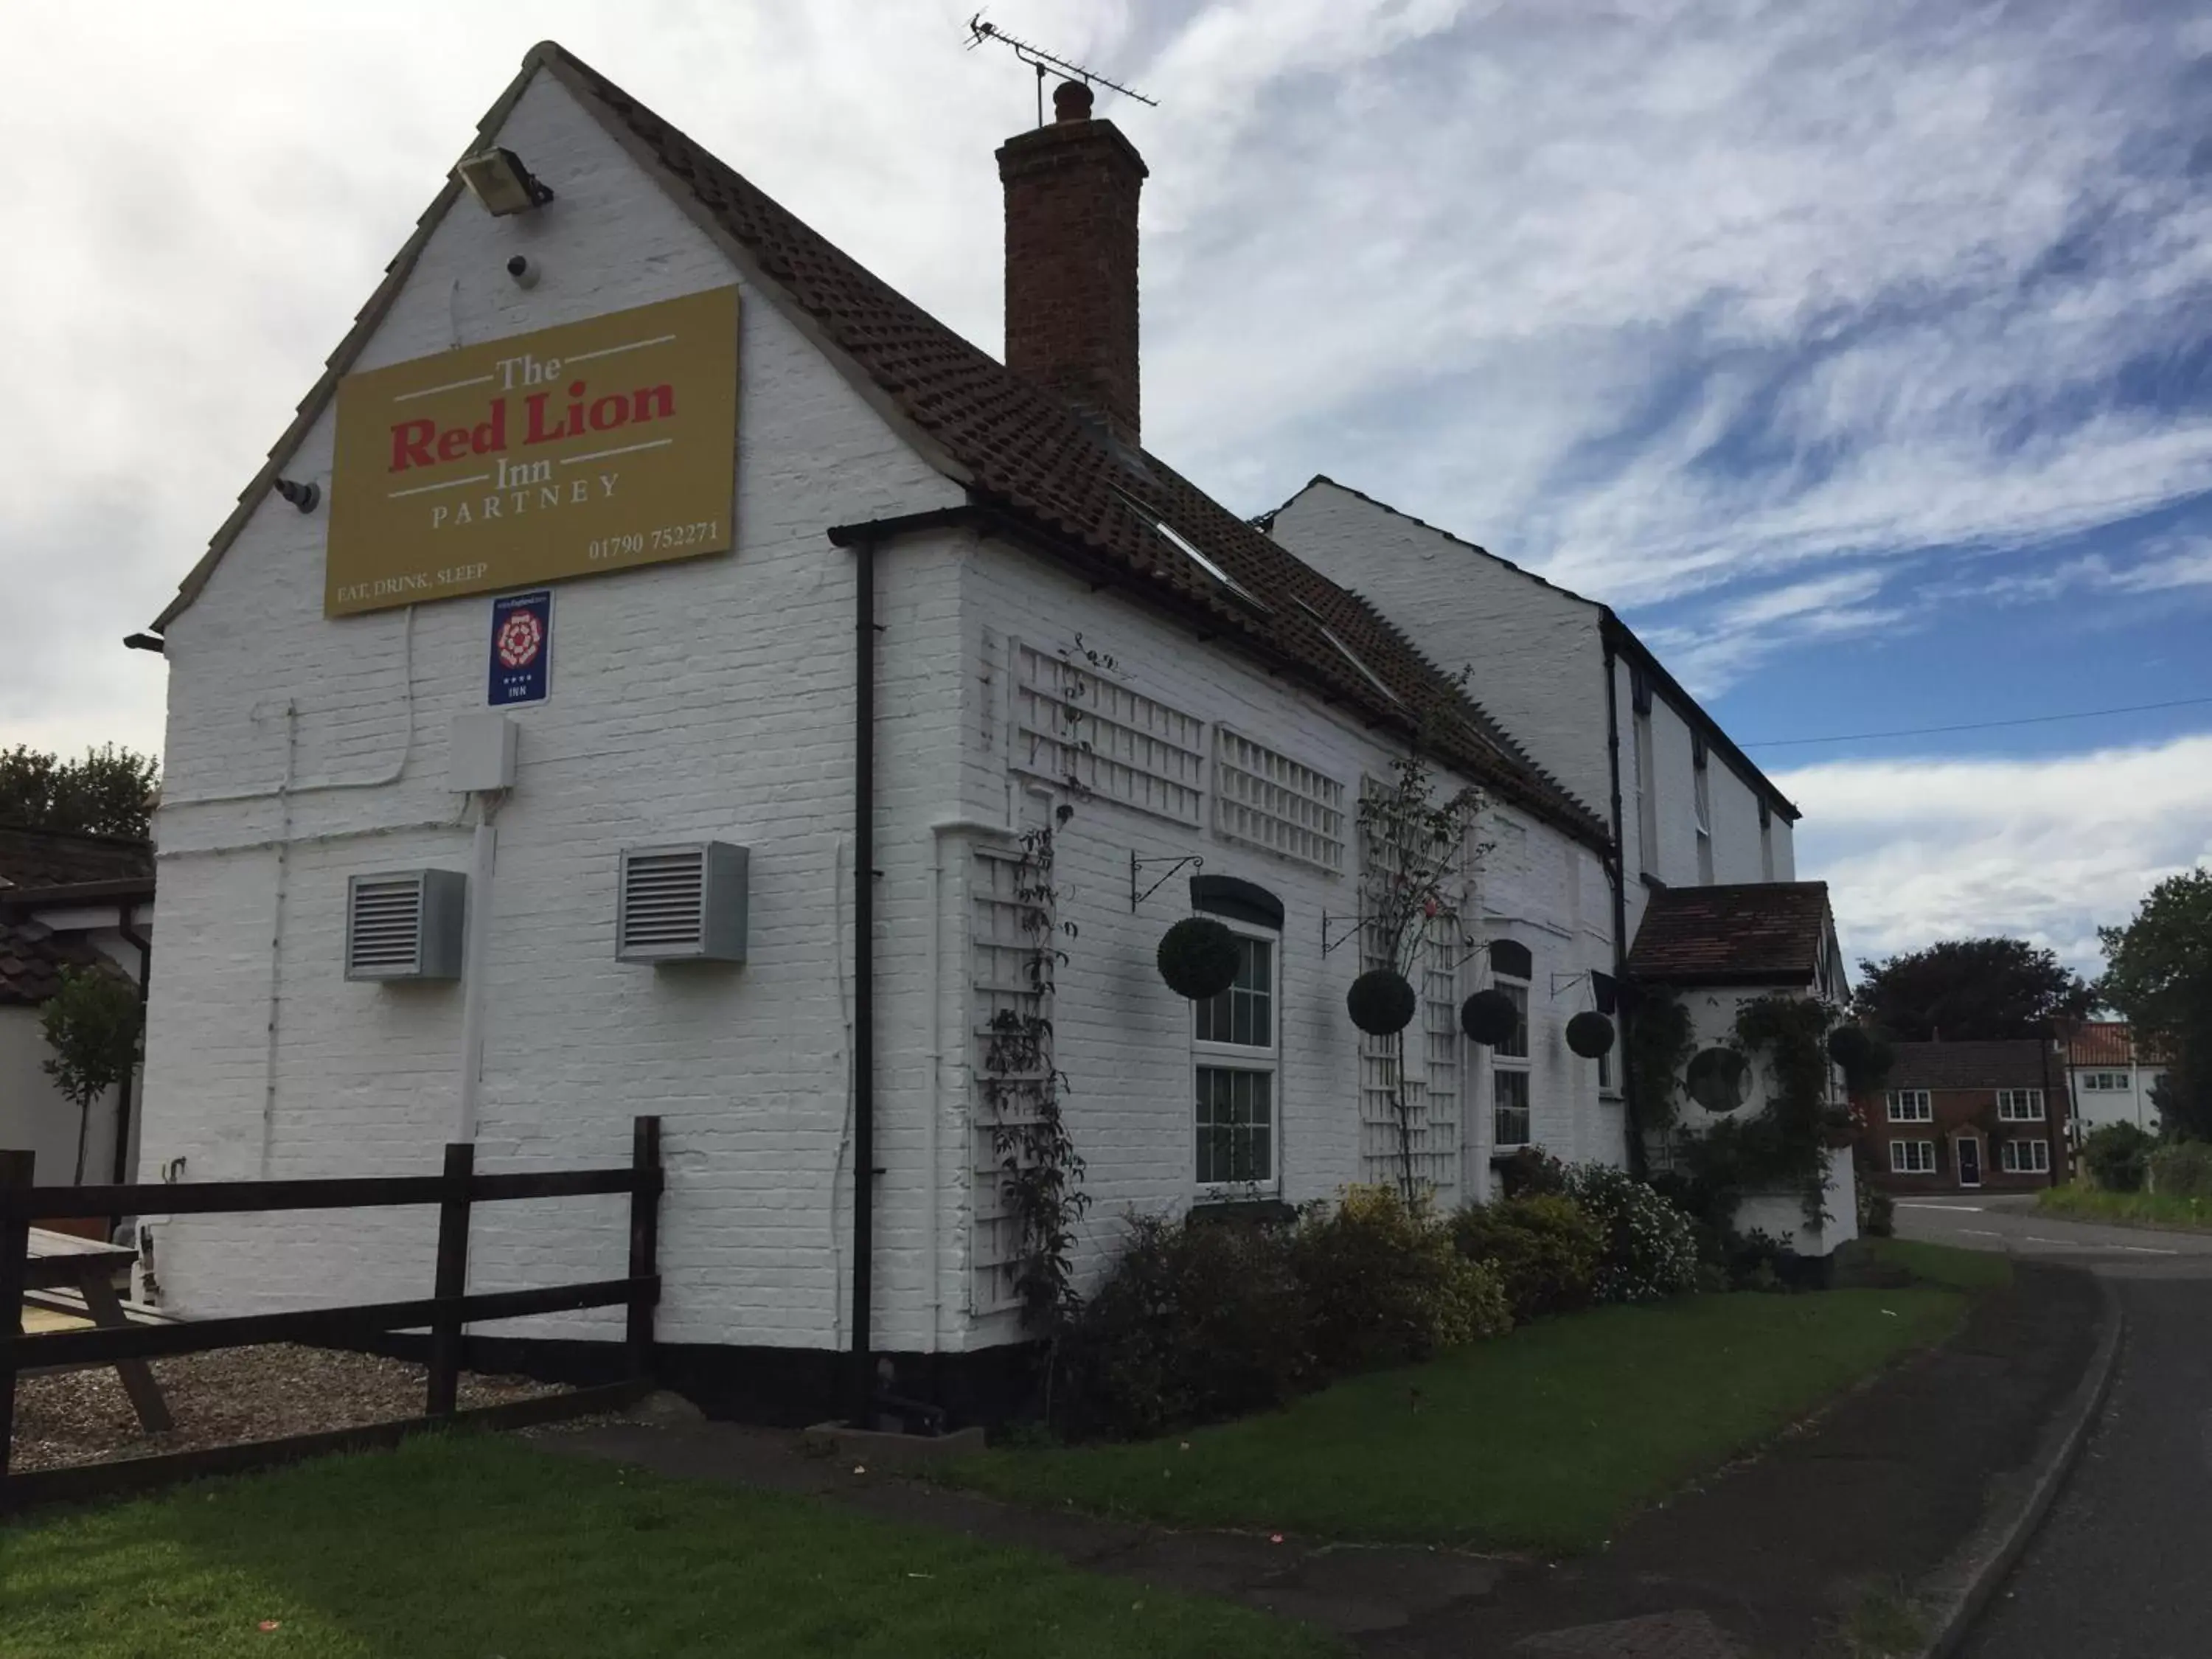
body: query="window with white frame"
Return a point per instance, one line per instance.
(2024, 1157)
(1511, 969)
(2019, 1105)
(1265, 799)
(1912, 1157)
(1910, 1106)
(2108, 1081)
(1235, 1047)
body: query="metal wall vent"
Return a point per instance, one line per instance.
(405, 925)
(682, 903)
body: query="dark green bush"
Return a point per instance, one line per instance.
(2182, 1171)
(2117, 1156)
(1755, 1261)
(1543, 1247)
(1198, 1320)
(1532, 1170)
(1877, 1210)
(1384, 1285)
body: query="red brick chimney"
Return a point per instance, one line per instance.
(1072, 260)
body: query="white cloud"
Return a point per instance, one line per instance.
(1516, 269)
(1915, 850)
(1734, 637)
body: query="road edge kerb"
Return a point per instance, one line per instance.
(1969, 1577)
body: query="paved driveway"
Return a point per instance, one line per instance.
(2120, 1568)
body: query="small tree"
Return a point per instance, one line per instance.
(2158, 973)
(92, 1025)
(1416, 849)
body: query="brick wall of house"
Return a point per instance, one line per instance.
(1959, 1115)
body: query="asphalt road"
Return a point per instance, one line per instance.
(2122, 1568)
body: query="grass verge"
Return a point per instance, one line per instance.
(1945, 1265)
(2136, 1209)
(476, 1546)
(1546, 1439)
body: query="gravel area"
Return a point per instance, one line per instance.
(222, 1398)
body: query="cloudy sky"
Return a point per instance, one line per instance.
(1860, 354)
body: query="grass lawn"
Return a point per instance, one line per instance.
(2142, 1209)
(480, 1546)
(1546, 1439)
(1941, 1264)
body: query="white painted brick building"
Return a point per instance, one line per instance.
(1693, 808)
(1011, 534)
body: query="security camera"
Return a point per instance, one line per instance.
(524, 269)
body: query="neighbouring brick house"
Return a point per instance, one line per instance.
(1969, 1116)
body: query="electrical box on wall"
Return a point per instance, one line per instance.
(480, 754)
(682, 903)
(405, 925)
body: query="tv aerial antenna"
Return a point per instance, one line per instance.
(979, 30)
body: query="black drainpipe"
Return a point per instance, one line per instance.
(1637, 1160)
(863, 1381)
(862, 539)
(145, 946)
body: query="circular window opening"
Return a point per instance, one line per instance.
(1718, 1080)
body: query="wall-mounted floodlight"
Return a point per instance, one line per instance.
(497, 178)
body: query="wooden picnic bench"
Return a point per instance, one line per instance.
(59, 1261)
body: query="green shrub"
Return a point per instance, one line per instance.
(1385, 1286)
(1532, 1170)
(1197, 1320)
(1649, 1251)
(1877, 1211)
(2116, 1156)
(2182, 1171)
(1543, 1247)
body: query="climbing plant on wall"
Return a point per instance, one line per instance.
(1416, 861)
(1040, 1170)
(1660, 1044)
(1785, 1144)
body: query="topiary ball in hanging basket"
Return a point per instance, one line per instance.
(1380, 1002)
(1488, 1017)
(1589, 1034)
(1198, 959)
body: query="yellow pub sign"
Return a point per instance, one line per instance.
(592, 447)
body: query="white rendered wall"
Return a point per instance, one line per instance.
(1539, 664)
(706, 699)
(1780, 1214)
(1539, 668)
(1124, 1039)
(2095, 1107)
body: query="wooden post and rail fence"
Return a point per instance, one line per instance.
(455, 1191)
